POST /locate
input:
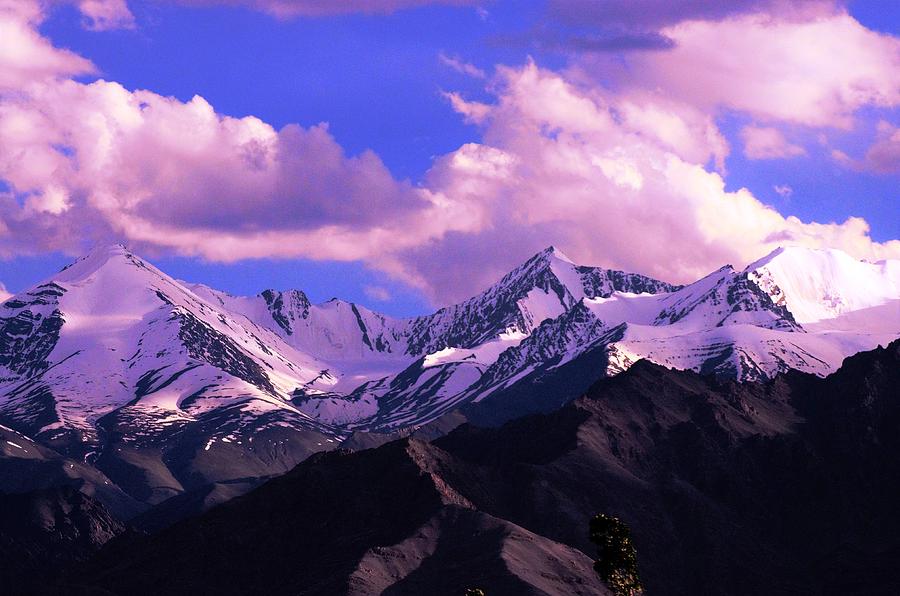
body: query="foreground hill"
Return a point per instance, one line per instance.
(780, 487)
(44, 532)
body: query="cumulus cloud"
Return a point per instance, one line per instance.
(629, 178)
(89, 162)
(814, 72)
(27, 57)
(99, 160)
(561, 162)
(766, 142)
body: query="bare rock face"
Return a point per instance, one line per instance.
(44, 532)
(388, 520)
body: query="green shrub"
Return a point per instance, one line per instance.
(616, 562)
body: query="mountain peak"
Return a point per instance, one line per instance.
(98, 258)
(115, 275)
(555, 253)
(816, 284)
(103, 252)
(804, 256)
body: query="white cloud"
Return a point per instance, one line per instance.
(26, 57)
(105, 15)
(615, 177)
(814, 71)
(768, 143)
(561, 164)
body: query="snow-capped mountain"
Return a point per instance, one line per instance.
(737, 324)
(163, 385)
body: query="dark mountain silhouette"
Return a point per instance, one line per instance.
(43, 532)
(784, 487)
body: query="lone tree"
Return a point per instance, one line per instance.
(616, 562)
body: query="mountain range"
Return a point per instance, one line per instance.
(782, 487)
(137, 387)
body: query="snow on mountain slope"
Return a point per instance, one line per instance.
(544, 287)
(816, 285)
(336, 330)
(735, 324)
(365, 345)
(415, 396)
(113, 362)
(742, 351)
(111, 330)
(460, 342)
(724, 297)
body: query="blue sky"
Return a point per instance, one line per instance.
(378, 81)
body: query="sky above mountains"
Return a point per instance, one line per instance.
(403, 153)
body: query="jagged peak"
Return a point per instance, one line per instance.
(271, 294)
(335, 302)
(551, 259)
(552, 252)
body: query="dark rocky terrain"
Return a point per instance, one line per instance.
(784, 487)
(44, 532)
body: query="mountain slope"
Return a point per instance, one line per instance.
(127, 369)
(165, 387)
(782, 487)
(732, 324)
(45, 531)
(407, 532)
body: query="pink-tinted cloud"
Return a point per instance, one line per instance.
(560, 162)
(767, 142)
(615, 177)
(99, 160)
(680, 128)
(882, 157)
(27, 57)
(314, 8)
(815, 72)
(105, 15)
(90, 162)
